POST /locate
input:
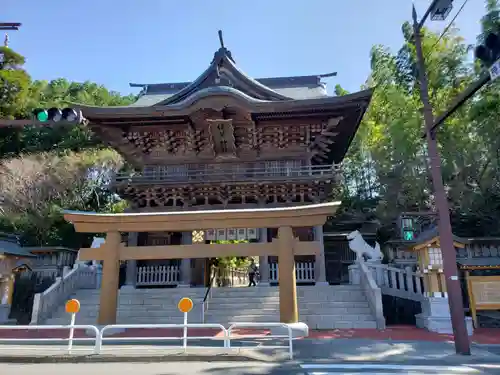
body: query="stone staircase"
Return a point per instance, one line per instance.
(135, 306)
(321, 307)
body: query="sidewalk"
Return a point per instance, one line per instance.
(305, 351)
(483, 336)
(394, 344)
(395, 333)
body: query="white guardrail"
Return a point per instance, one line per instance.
(99, 338)
(289, 336)
(69, 340)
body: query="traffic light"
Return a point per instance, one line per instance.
(67, 115)
(489, 52)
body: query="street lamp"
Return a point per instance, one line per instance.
(10, 25)
(441, 9)
(438, 10)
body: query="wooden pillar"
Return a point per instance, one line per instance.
(185, 266)
(286, 276)
(131, 270)
(319, 264)
(110, 279)
(263, 260)
(433, 283)
(442, 282)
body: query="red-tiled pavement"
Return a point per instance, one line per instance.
(405, 333)
(401, 333)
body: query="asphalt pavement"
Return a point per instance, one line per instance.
(311, 357)
(247, 368)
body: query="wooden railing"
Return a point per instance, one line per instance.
(228, 175)
(304, 272)
(229, 276)
(44, 304)
(157, 275)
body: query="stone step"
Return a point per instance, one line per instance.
(339, 318)
(341, 324)
(335, 311)
(324, 307)
(242, 318)
(257, 300)
(128, 320)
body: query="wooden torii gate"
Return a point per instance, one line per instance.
(285, 247)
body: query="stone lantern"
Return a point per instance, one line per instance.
(435, 314)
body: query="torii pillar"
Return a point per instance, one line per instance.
(110, 279)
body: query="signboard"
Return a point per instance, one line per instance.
(232, 234)
(242, 234)
(221, 234)
(495, 70)
(210, 235)
(484, 294)
(251, 233)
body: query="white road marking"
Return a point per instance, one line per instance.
(371, 373)
(442, 370)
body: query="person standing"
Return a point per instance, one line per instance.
(252, 271)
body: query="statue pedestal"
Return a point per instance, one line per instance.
(435, 316)
(4, 314)
(354, 277)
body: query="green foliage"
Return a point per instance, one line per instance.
(44, 170)
(385, 172)
(387, 161)
(232, 261)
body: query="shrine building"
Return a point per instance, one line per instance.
(228, 141)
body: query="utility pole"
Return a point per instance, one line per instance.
(462, 344)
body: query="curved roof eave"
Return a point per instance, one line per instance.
(221, 59)
(249, 80)
(252, 103)
(192, 86)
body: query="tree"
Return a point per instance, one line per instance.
(14, 83)
(388, 154)
(36, 188)
(46, 169)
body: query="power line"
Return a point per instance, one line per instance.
(447, 28)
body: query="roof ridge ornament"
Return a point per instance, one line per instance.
(222, 51)
(221, 39)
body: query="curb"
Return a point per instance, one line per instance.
(106, 358)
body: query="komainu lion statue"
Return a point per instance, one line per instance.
(363, 250)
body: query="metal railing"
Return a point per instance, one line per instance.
(229, 175)
(67, 340)
(289, 336)
(99, 339)
(206, 298)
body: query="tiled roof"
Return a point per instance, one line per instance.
(430, 233)
(12, 248)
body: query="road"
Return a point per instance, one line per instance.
(243, 368)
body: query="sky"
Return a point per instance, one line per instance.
(113, 42)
